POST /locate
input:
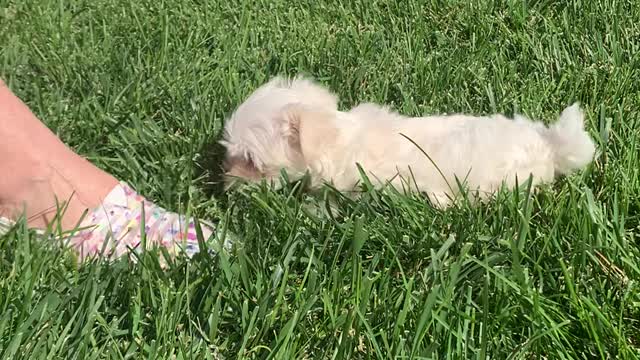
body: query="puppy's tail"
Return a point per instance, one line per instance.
(572, 146)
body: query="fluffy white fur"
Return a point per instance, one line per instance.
(295, 125)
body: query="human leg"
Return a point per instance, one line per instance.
(41, 173)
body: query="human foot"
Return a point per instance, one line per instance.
(124, 221)
(125, 217)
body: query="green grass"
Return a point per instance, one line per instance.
(142, 89)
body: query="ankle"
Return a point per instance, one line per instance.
(35, 191)
(21, 192)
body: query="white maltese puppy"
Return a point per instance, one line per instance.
(295, 126)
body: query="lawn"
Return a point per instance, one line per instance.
(142, 89)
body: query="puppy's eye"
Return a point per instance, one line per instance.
(234, 161)
(238, 166)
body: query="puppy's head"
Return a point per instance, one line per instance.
(277, 128)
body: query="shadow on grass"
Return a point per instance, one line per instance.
(210, 169)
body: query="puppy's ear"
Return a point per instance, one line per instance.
(308, 130)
